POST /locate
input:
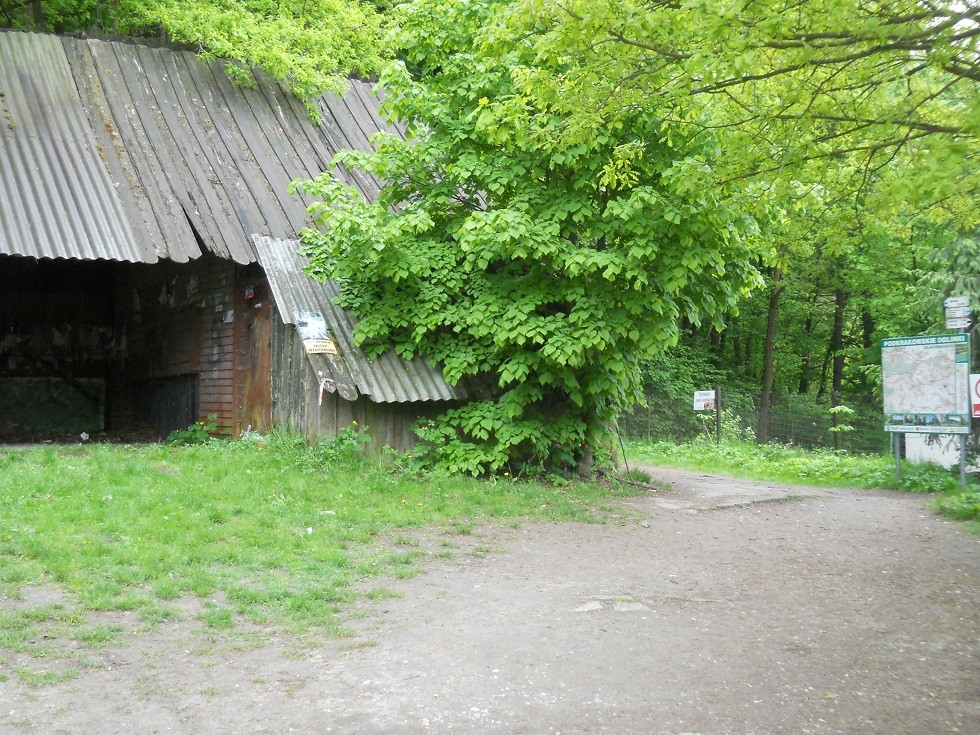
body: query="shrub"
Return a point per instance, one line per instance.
(198, 433)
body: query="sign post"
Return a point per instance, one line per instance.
(897, 451)
(718, 414)
(958, 313)
(710, 400)
(954, 302)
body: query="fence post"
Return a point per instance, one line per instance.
(963, 461)
(718, 414)
(897, 449)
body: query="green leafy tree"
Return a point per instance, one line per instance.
(311, 45)
(538, 273)
(787, 85)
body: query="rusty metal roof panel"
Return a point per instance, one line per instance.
(57, 198)
(385, 379)
(122, 151)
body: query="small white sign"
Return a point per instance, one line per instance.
(958, 323)
(953, 301)
(704, 400)
(958, 312)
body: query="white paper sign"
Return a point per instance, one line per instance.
(320, 346)
(704, 400)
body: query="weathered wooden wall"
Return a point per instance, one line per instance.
(296, 400)
(253, 350)
(169, 344)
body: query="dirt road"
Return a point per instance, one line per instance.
(723, 607)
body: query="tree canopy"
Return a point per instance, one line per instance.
(311, 45)
(783, 82)
(588, 179)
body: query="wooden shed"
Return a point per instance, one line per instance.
(148, 267)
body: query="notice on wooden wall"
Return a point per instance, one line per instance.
(312, 328)
(320, 346)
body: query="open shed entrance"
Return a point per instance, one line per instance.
(130, 351)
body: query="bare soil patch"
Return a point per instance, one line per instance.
(722, 606)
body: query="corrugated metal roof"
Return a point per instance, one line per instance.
(385, 379)
(57, 199)
(121, 151)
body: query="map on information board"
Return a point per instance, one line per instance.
(926, 382)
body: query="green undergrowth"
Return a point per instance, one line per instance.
(272, 533)
(819, 467)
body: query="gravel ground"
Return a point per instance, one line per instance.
(721, 606)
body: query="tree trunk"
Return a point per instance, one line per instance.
(824, 366)
(768, 367)
(593, 435)
(867, 330)
(37, 14)
(586, 462)
(837, 349)
(714, 340)
(736, 344)
(806, 368)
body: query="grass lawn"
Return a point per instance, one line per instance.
(277, 534)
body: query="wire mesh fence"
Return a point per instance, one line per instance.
(796, 420)
(791, 420)
(941, 449)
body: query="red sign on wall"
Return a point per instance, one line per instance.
(975, 395)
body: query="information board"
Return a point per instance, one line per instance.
(926, 384)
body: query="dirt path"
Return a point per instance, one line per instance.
(813, 611)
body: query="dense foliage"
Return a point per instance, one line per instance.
(796, 88)
(311, 45)
(537, 272)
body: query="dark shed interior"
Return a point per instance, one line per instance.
(58, 345)
(131, 350)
